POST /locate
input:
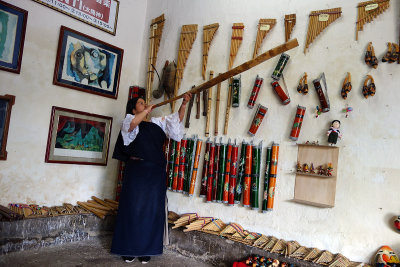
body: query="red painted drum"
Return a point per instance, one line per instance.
(285, 99)
(258, 117)
(298, 121)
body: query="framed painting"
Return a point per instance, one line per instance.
(102, 14)
(12, 36)
(78, 137)
(6, 103)
(87, 64)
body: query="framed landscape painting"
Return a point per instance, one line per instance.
(87, 64)
(12, 36)
(78, 137)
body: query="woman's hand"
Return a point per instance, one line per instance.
(186, 98)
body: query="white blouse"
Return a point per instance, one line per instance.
(170, 124)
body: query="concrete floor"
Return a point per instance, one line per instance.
(94, 252)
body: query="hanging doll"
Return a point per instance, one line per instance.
(333, 133)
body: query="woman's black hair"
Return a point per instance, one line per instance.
(335, 121)
(132, 104)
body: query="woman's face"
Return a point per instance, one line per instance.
(140, 106)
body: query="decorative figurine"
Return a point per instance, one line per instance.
(298, 167)
(312, 170)
(317, 111)
(329, 170)
(397, 223)
(347, 110)
(386, 257)
(305, 168)
(333, 133)
(321, 170)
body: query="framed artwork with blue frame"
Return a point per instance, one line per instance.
(12, 36)
(87, 64)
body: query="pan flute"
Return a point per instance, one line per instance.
(208, 35)
(290, 21)
(264, 26)
(319, 20)
(369, 10)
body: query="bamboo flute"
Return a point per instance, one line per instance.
(239, 69)
(217, 108)
(207, 133)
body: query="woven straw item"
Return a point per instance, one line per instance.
(279, 247)
(291, 247)
(270, 244)
(313, 254)
(261, 241)
(325, 258)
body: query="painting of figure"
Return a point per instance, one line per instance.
(87, 64)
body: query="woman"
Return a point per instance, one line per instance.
(139, 228)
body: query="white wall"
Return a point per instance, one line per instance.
(24, 176)
(367, 195)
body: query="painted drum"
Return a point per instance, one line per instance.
(285, 99)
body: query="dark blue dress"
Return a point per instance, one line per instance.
(139, 228)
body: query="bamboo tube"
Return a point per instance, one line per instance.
(188, 35)
(208, 35)
(195, 167)
(99, 213)
(217, 109)
(93, 204)
(101, 202)
(209, 107)
(264, 26)
(111, 201)
(156, 29)
(239, 69)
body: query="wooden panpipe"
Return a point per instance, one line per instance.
(264, 26)
(188, 35)
(369, 10)
(236, 41)
(290, 21)
(208, 35)
(237, 70)
(319, 20)
(156, 29)
(207, 133)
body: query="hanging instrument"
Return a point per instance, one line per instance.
(264, 26)
(188, 35)
(369, 10)
(322, 92)
(209, 102)
(319, 20)
(156, 29)
(217, 108)
(290, 21)
(208, 35)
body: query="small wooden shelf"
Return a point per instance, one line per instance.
(313, 189)
(314, 175)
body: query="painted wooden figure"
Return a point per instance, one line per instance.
(333, 133)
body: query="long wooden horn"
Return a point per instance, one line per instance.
(239, 69)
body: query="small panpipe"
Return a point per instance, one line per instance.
(319, 20)
(156, 29)
(290, 21)
(208, 35)
(254, 93)
(322, 94)
(264, 26)
(236, 41)
(209, 102)
(369, 10)
(188, 35)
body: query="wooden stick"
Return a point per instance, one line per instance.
(197, 105)
(239, 69)
(189, 111)
(209, 107)
(217, 108)
(101, 202)
(99, 213)
(94, 204)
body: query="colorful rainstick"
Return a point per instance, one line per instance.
(298, 121)
(216, 170)
(176, 166)
(233, 174)
(171, 162)
(210, 177)
(272, 176)
(227, 173)
(239, 184)
(204, 175)
(199, 144)
(266, 179)
(285, 99)
(255, 176)
(254, 93)
(247, 176)
(221, 178)
(182, 162)
(258, 118)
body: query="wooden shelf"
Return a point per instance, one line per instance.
(313, 189)
(314, 175)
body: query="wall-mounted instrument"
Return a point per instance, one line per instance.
(264, 26)
(369, 10)
(208, 35)
(290, 21)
